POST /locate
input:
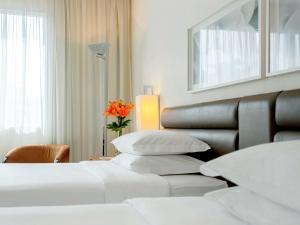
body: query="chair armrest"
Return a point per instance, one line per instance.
(5, 159)
(62, 155)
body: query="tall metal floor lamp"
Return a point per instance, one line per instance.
(102, 52)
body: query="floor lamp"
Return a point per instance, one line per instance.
(102, 52)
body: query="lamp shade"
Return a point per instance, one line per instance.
(100, 49)
(147, 112)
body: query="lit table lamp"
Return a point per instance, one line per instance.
(147, 112)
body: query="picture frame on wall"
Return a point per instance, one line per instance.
(225, 48)
(283, 41)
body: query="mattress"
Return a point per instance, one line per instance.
(192, 185)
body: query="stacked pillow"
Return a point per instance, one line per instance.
(269, 180)
(159, 152)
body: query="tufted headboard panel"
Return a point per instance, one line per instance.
(216, 123)
(287, 116)
(232, 124)
(257, 119)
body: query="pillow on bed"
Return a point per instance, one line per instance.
(271, 170)
(253, 208)
(160, 165)
(158, 143)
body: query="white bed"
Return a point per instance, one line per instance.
(189, 210)
(91, 182)
(268, 194)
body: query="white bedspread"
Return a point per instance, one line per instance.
(74, 183)
(164, 211)
(121, 184)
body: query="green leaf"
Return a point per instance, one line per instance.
(115, 124)
(125, 123)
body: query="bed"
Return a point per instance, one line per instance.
(191, 211)
(268, 193)
(91, 182)
(226, 126)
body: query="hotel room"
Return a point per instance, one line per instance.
(150, 112)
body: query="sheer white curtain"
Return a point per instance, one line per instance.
(51, 85)
(23, 72)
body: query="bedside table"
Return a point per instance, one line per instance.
(99, 158)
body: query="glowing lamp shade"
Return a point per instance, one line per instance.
(147, 112)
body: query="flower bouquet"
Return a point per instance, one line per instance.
(121, 111)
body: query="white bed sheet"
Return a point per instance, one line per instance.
(183, 211)
(74, 183)
(193, 185)
(105, 214)
(91, 182)
(161, 211)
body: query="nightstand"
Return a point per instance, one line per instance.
(99, 158)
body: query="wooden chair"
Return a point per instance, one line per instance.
(39, 154)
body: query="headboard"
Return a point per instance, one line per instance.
(232, 124)
(287, 116)
(216, 123)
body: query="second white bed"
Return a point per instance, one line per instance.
(91, 183)
(164, 211)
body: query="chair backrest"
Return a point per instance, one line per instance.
(39, 154)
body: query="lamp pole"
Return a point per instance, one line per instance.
(102, 52)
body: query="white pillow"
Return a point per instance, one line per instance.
(160, 165)
(158, 143)
(253, 208)
(271, 170)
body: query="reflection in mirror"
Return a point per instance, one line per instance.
(226, 51)
(284, 37)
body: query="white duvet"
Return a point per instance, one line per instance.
(161, 211)
(74, 183)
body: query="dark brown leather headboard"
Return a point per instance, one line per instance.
(216, 123)
(256, 119)
(287, 116)
(233, 124)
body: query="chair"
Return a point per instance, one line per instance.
(39, 154)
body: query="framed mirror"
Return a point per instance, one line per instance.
(225, 48)
(284, 36)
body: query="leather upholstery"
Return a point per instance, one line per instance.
(256, 119)
(212, 115)
(222, 141)
(287, 136)
(288, 110)
(39, 154)
(238, 123)
(288, 116)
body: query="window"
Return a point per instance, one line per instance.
(22, 71)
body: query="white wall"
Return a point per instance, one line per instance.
(160, 52)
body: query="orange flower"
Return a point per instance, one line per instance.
(123, 112)
(118, 109)
(130, 106)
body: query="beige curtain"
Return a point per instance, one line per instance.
(80, 75)
(119, 36)
(86, 22)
